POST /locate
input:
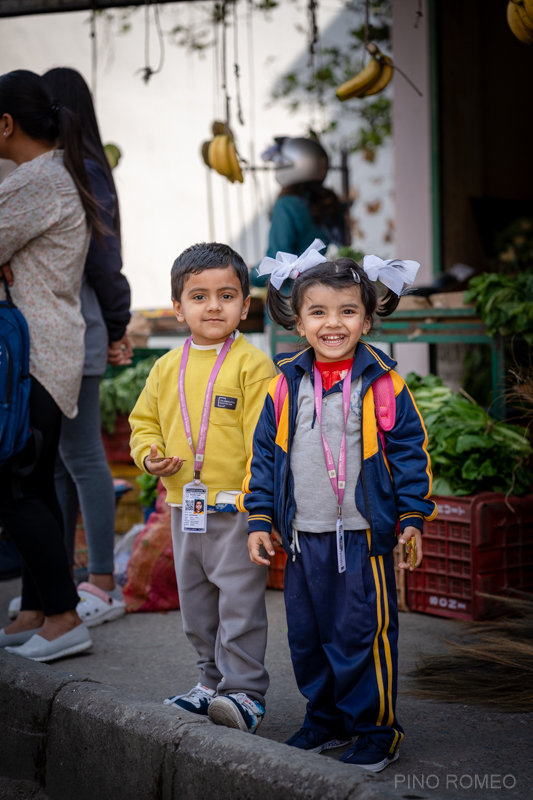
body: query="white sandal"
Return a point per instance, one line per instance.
(96, 606)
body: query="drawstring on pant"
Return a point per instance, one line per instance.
(295, 544)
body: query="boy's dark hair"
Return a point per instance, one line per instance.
(207, 255)
(340, 274)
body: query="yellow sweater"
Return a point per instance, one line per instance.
(242, 383)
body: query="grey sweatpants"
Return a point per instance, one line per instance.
(222, 601)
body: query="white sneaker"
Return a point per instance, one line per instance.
(14, 607)
(237, 711)
(197, 701)
(96, 606)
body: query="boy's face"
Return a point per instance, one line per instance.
(212, 305)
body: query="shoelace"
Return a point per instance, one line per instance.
(244, 700)
(197, 692)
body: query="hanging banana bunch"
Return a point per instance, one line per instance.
(520, 19)
(220, 153)
(373, 79)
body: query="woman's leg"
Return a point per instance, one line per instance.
(67, 495)
(34, 524)
(83, 455)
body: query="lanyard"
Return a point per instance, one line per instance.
(338, 483)
(200, 449)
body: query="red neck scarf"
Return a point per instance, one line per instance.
(333, 372)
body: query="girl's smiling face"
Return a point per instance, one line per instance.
(333, 321)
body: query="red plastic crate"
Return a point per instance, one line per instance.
(276, 570)
(475, 544)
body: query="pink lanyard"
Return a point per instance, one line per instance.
(338, 484)
(200, 449)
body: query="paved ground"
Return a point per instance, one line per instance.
(452, 747)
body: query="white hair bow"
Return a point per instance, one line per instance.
(287, 265)
(393, 274)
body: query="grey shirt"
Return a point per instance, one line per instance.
(316, 504)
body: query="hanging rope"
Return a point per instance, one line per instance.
(312, 8)
(224, 60)
(236, 63)
(367, 31)
(419, 13)
(147, 69)
(251, 115)
(94, 53)
(210, 206)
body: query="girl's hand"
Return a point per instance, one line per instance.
(276, 535)
(255, 540)
(409, 533)
(169, 466)
(5, 271)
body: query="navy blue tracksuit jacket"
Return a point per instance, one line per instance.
(343, 628)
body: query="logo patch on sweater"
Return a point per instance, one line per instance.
(225, 402)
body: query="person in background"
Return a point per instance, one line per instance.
(305, 210)
(47, 211)
(82, 473)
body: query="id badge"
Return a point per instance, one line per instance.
(194, 510)
(341, 555)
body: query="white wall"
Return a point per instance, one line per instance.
(412, 149)
(160, 126)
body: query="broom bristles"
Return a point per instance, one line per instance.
(496, 670)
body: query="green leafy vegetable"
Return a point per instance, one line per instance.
(505, 302)
(148, 493)
(470, 452)
(118, 395)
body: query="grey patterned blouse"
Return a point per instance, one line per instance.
(44, 236)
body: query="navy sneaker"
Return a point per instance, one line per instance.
(367, 755)
(197, 700)
(316, 741)
(236, 711)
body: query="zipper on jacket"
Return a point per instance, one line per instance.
(9, 386)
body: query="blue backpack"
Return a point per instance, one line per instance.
(14, 379)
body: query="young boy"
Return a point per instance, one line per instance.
(187, 405)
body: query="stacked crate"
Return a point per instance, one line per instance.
(476, 545)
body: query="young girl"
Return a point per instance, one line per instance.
(320, 475)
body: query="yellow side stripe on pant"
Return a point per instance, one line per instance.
(393, 746)
(375, 648)
(386, 644)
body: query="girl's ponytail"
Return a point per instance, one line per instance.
(279, 308)
(24, 96)
(71, 140)
(387, 304)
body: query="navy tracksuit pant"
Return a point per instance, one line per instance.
(343, 635)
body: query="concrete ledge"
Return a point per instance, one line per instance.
(84, 740)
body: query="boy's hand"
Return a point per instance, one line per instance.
(255, 540)
(163, 469)
(409, 533)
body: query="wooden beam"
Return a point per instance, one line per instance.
(18, 8)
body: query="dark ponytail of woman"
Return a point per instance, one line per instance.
(341, 274)
(68, 87)
(24, 96)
